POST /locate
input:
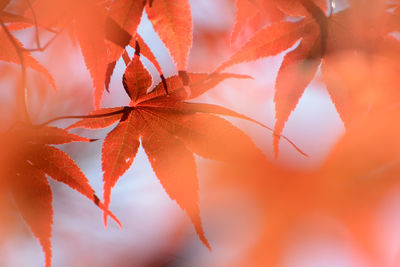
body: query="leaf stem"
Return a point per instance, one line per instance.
(214, 109)
(125, 109)
(320, 18)
(126, 58)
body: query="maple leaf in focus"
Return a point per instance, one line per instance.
(170, 131)
(25, 160)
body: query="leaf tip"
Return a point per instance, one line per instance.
(105, 220)
(203, 238)
(276, 145)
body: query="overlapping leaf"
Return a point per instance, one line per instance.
(254, 14)
(298, 68)
(145, 51)
(319, 36)
(127, 15)
(123, 19)
(137, 79)
(90, 32)
(299, 7)
(172, 20)
(26, 159)
(296, 72)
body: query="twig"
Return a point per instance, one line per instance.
(22, 93)
(36, 23)
(41, 49)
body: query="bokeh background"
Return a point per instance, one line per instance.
(155, 231)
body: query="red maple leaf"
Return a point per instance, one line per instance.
(26, 158)
(170, 131)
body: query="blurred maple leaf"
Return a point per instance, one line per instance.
(348, 190)
(321, 38)
(9, 54)
(26, 158)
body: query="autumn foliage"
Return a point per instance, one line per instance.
(351, 48)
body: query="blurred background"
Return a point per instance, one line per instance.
(251, 216)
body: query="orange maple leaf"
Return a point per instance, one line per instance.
(170, 131)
